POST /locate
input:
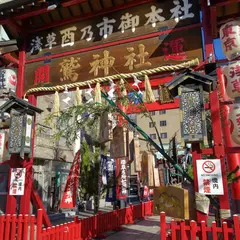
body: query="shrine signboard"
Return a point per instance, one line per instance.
(121, 42)
(136, 21)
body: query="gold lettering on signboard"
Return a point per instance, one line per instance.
(68, 36)
(104, 63)
(131, 58)
(68, 69)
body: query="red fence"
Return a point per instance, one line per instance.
(26, 227)
(182, 231)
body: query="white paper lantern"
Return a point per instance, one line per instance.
(234, 118)
(232, 79)
(8, 79)
(230, 39)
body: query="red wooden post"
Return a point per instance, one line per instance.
(225, 231)
(163, 232)
(236, 226)
(13, 228)
(27, 163)
(25, 227)
(195, 156)
(203, 230)
(57, 230)
(218, 146)
(173, 229)
(7, 227)
(193, 230)
(182, 230)
(2, 218)
(20, 224)
(39, 223)
(61, 232)
(214, 230)
(32, 225)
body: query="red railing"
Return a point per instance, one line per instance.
(182, 231)
(26, 227)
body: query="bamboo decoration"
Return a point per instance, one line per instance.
(123, 88)
(148, 95)
(78, 96)
(98, 97)
(56, 105)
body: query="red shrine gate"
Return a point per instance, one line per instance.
(89, 46)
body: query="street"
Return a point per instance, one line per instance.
(147, 229)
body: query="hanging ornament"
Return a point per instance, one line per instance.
(230, 39)
(123, 88)
(66, 98)
(89, 95)
(112, 90)
(78, 96)
(56, 105)
(148, 95)
(231, 77)
(136, 82)
(98, 97)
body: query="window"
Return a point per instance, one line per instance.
(161, 112)
(163, 135)
(152, 124)
(153, 136)
(153, 113)
(163, 123)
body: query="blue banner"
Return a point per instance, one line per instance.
(111, 179)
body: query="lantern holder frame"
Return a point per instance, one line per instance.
(22, 116)
(208, 83)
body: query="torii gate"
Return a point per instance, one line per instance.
(218, 150)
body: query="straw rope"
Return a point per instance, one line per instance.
(194, 62)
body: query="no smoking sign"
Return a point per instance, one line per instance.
(208, 167)
(209, 176)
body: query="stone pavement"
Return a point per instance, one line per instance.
(142, 230)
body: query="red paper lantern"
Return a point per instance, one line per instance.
(230, 39)
(232, 79)
(234, 118)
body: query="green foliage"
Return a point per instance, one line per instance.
(190, 172)
(89, 171)
(85, 117)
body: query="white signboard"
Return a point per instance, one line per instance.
(209, 175)
(17, 181)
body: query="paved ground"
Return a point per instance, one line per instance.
(142, 230)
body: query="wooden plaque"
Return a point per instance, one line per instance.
(118, 147)
(123, 58)
(137, 155)
(106, 131)
(147, 169)
(123, 24)
(173, 201)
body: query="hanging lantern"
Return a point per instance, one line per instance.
(230, 39)
(234, 118)
(8, 79)
(22, 115)
(231, 78)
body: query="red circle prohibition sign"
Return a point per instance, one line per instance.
(208, 167)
